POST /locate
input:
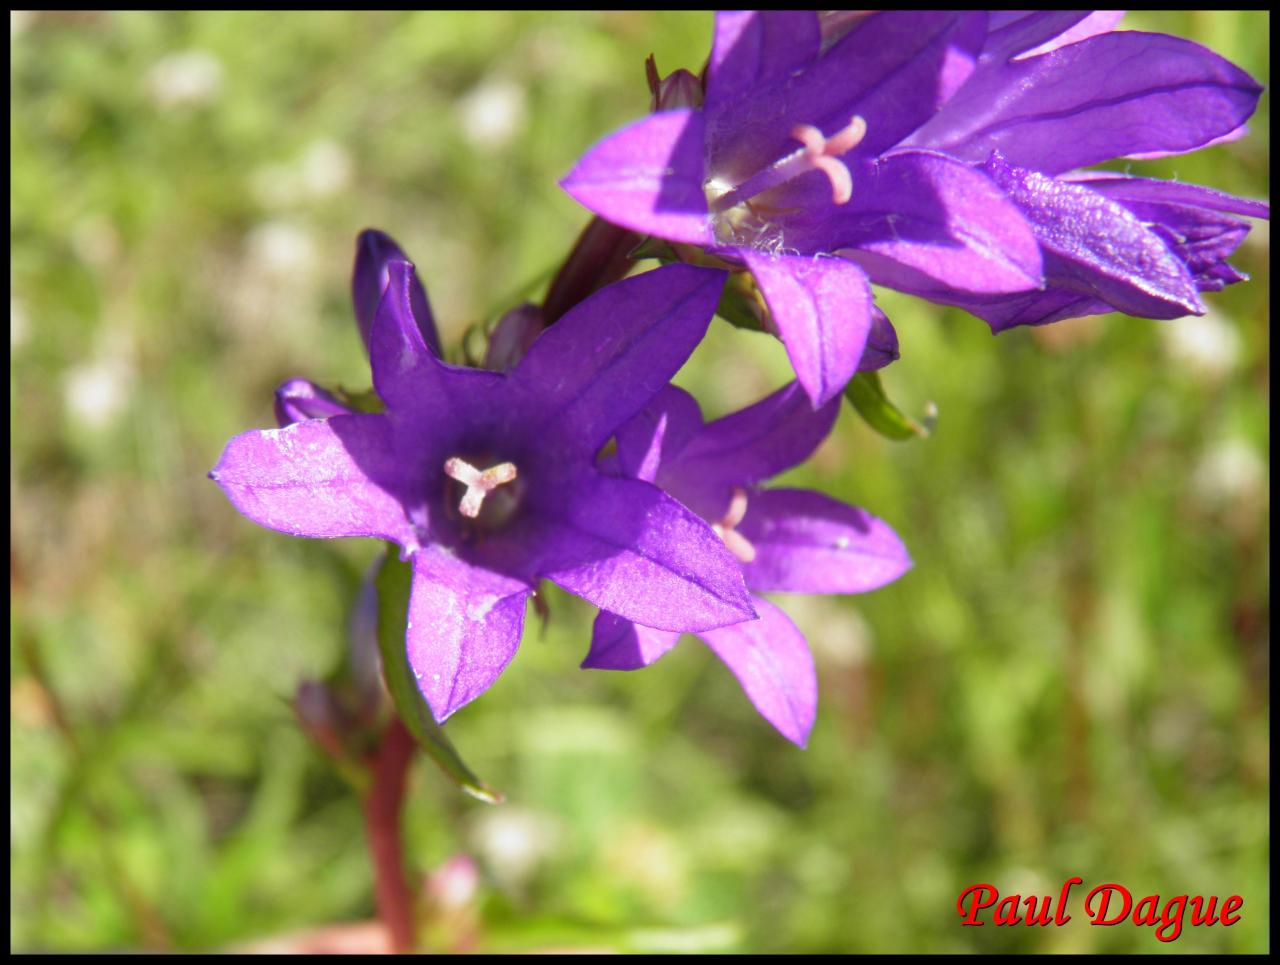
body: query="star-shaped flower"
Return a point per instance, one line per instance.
(487, 480)
(876, 140)
(787, 540)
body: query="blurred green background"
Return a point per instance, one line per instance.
(1072, 681)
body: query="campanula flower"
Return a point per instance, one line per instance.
(910, 145)
(487, 481)
(786, 540)
(790, 160)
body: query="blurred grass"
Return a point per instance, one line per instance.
(1072, 680)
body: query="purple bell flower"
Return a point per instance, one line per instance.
(830, 153)
(786, 540)
(487, 481)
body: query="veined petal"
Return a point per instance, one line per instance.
(1150, 190)
(752, 48)
(1115, 94)
(300, 399)
(629, 548)
(375, 251)
(657, 433)
(648, 177)
(806, 542)
(771, 660)
(1098, 247)
(822, 309)
(321, 478)
(1003, 312)
(416, 386)
(929, 225)
(596, 367)
(463, 628)
(618, 644)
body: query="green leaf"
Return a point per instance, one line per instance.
(866, 394)
(394, 579)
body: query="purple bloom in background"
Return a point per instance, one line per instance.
(925, 150)
(487, 480)
(787, 540)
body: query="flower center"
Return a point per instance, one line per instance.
(477, 503)
(818, 153)
(726, 529)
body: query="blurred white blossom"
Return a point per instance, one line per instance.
(184, 79)
(1208, 346)
(97, 391)
(493, 114)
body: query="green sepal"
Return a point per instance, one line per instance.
(867, 396)
(393, 583)
(365, 401)
(741, 304)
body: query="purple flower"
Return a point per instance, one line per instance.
(487, 480)
(878, 143)
(787, 540)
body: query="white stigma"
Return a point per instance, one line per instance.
(479, 484)
(726, 529)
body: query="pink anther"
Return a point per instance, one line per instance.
(479, 484)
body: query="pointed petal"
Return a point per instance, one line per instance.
(629, 548)
(882, 343)
(657, 433)
(618, 644)
(1125, 190)
(299, 399)
(416, 386)
(321, 478)
(369, 278)
(648, 177)
(771, 660)
(929, 225)
(752, 48)
(1003, 312)
(463, 629)
(755, 443)
(600, 364)
(1115, 94)
(1098, 247)
(810, 543)
(822, 309)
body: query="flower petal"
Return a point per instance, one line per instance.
(1126, 189)
(321, 478)
(618, 644)
(771, 660)
(1115, 94)
(806, 542)
(882, 343)
(629, 548)
(463, 628)
(1098, 247)
(596, 367)
(929, 225)
(416, 386)
(648, 177)
(822, 309)
(300, 399)
(747, 447)
(752, 48)
(657, 433)
(1021, 33)
(369, 278)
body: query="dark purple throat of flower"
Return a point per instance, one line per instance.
(729, 203)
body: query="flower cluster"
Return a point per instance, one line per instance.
(939, 154)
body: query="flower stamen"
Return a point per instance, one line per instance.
(726, 529)
(479, 483)
(819, 153)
